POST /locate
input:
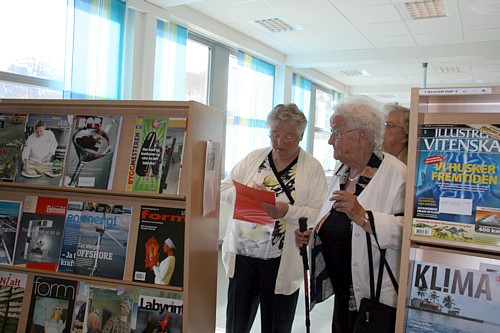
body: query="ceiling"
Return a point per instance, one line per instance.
(369, 47)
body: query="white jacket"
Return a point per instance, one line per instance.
(384, 196)
(310, 190)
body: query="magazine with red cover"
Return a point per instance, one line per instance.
(159, 257)
(40, 234)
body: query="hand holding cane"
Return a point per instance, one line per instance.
(303, 253)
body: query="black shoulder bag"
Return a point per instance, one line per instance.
(374, 316)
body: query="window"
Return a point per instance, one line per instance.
(32, 57)
(61, 48)
(323, 109)
(197, 69)
(170, 62)
(301, 95)
(250, 98)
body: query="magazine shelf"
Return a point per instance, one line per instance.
(442, 229)
(199, 246)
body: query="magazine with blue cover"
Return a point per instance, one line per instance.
(95, 239)
(457, 194)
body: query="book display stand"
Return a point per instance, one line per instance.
(174, 198)
(450, 261)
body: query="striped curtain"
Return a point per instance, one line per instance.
(250, 99)
(301, 95)
(97, 51)
(170, 62)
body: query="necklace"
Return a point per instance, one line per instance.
(354, 179)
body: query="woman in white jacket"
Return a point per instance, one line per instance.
(368, 187)
(262, 262)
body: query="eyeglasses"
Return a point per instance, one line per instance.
(285, 138)
(338, 135)
(388, 124)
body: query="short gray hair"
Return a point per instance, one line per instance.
(389, 107)
(363, 112)
(283, 114)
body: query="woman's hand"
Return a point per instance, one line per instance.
(302, 238)
(275, 211)
(348, 204)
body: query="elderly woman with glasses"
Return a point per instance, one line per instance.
(367, 194)
(261, 260)
(397, 123)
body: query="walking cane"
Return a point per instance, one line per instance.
(303, 253)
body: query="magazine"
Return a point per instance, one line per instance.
(452, 295)
(157, 311)
(11, 141)
(10, 214)
(91, 154)
(12, 287)
(44, 152)
(108, 311)
(456, 196)
(40, 234)
(51, 305)
(81, 319)
(159, 257)
(95, 239)
(172, 158)
(146, 159)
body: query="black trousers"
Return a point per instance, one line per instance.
(253, 285)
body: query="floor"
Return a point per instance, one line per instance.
(320, 317)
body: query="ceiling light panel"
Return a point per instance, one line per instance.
(276, 24)
(426, 9)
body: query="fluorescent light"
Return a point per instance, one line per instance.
(426, 9)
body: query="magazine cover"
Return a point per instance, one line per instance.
(12, 286)
(11, 141)
(40, 234)
(108, 311)
(157, 311)
(172, 158)
(44, 152)
(453, 298)
(146, 159)
(91, 154)
(159, 257)
(10, 214)
(457, 189)
(95, 239)
(81, 319)
(51, 305)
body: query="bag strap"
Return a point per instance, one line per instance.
(383, 262)
(283, 186)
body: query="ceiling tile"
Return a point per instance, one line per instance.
(393, 41)
(384, 29)
(439, 38)
(482, 35)
(351, 44)
(441, 24)
(372, 14)
(251, 10)
(484, 21)
(339, 33)
(320, 20)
